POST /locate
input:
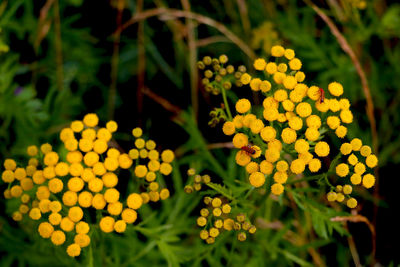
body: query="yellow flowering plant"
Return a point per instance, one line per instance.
(74, 193)
(291, 138)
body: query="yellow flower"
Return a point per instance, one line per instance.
(69, 198)
(110, 179)
(120, 226)
(342, 169)
(82, 227)
(368, 180)
(98, 202)
(137, 132)
(248, 119)
(279, 77)
(300, 76)
(272, 154)
(265, 86)
(55, 185)
(297, 166)
(167, 156)
(111, 195)
(89, 134)
(95, 185)
(346, 148)
(32, 151)
(228, 128)
(355, 179)
(74, 156)
(288, 135)
(51, 159)
(277, 189)
(259, 64)
(252, 167)
(371, 161)
(98, 168)
(346, 116)
(314, 93)
(344, 103)
(8, 176)
(295, 64)
(257, 179)
(153, 165)
(107, 224)
(245, 78)
(359, 168)
(312, 134)
(35, 214)
(45, 229)
(288, 105)
(347, 189)
(289, 82)
(334, 105)
(85, 145)
(256, 126)
(322, 149)
(313, 121)
(46, 148)
(61, 169)
(75, 214)
(333, 122)
(243, 105)
(91, 158)
(240, 140)
(266, 167)
(165, 168)
(74, 250)
(280, 95)
(83, 240)
(129, 215)
(322, 106)
(42, 192)
(114, 208)
(164, 193)
(85, 199)
(280, 177)
(331, 196)
(111, 164)
(296, 123)
(304, 109)
(301, 146)
(351, 203)
(91, 120)
(314, 165)
(277, 51)
(365, 151)
(77, 126)
(335, 88)
(271, 68)
(270, 114)
(58, 237)
(104, 134)
(341, 131)
(352, 159)
(289, 53)
(241, 158)
(112, 126)
(55, 206)
(134, 201)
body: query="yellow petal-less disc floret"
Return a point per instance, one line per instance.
(243, 105)
(371, 161)
(228, 128)
(368, 180)
(107, 224)
(331, 196)
(280, 177)
(271, 68)
(346, 148)
(32, 151)
(277, 189)
(257, 179)
(245, 78)
(10, 164)
(288, 135)
(259, 64)
(134, 201)
(277, 51)
(342, 169)
(365, 151)
(301, 146)
(295, 64)
(83, 240)
(322, 149)
(112, 126)
(58, 237)
(75, 214)
(297, 166)
(351, 203)
(91, 120)
(355, 179)
(333, 122)
(45, 229)
(74, 250)
(314, 165)
(335, 89)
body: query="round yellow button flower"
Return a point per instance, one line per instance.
(333, 122)
(120, 226)
(165, 168)
(296, 123)
(365, 151)
(35, 214)
(55, 185)
(74, 156)
(347, 189)
(110, 179)
(129, 215)
(107, 224)
(368, 180)
(245, 78)
(272, 154)
(98, 168)
(96, 185)
(351, 203)
(91, 158)
(346, 116)
(300, 76)
(268, 133)
(255, 84)
(288, 135)
(279, 77)
(243, 105)
(359, 168)
(75, 184)
(100, 146)
(312, 134)
(58, 237)
(289, 53)
(10, 164)
(45, 229)
(242, 158)
(282, 166)
(314, 165)
(322, 149)
(83, 240)
(104, 134)
(371, 161)
(271, 68)
(295, 64)
(313, 121)
(342, 169)
(228, 128)
(341, 131)
(32, 151)
(75, 214)
(111, 195)
(270, 114)
(301, 146)
(277, 51)
(265, 86)
(85, 199)
(134, 201)
(352, 159)
(256, 126)
(240, 140)
(98, 202)
(331, 196)
(289, 82)
(288, 105)
(8, 176)
(277, 189)
(55, 206)
(112, 126)
(115, 208)
(266, 167)
(77, 126)
(334, 105)
(46, 148)
(297, 166)
(73, 250)
(91, 120)
(335, 88)
(82, 227)
(252, 167)
(322, 106)
(303, 109)
(280, 177)
(51, 159)
(355, 179)
(280, 95)
(42, 192)
(259, 64)
(257, 179)
(346, 148)
(111, 164)
(75, 169)
(69, 198)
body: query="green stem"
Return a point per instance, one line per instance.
(211, 185)
(228, 111)
(90, 263)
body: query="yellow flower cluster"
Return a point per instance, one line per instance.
(359, 159)
(285, 138)
(198, 180)
(217, 218)
(59, 192)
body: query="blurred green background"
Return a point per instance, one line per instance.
(135, 62)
